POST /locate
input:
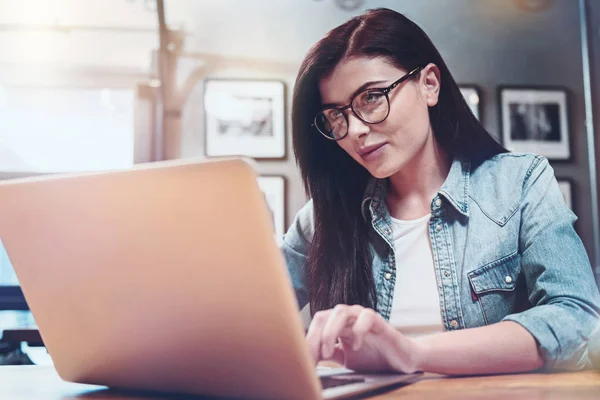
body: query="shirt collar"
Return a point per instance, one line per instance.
(455, 189)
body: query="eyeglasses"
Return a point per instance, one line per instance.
(371, 106)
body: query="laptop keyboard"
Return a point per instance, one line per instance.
(329, 382)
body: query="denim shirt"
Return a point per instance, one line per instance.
(504, 249)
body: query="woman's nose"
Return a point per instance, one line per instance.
(356, 127)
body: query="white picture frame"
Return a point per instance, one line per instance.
(273, 186)
(535, 120)
(473, 98)
(244, 118)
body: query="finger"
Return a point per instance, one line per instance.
(313, 336)
(338, 355)
(340, 317)
(368, 321)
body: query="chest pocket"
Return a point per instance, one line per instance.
(494, 287)
(499, 275)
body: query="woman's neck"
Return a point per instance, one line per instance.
(413, 187)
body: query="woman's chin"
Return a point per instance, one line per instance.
(381, 172)
(385, 169)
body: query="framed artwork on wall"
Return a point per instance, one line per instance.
(566, 188)
(273, 186)
(244, 118)
(535, 120)
(472, 96)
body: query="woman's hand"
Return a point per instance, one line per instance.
(361, 340)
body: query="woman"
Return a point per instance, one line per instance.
(414, 206)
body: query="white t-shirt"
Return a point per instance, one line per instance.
(416, 305)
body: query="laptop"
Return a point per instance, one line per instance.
(165, 277)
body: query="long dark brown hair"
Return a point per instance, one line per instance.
(339, 269)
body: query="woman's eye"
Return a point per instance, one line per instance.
(372, 97)
(335, 114)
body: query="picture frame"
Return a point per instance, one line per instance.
(566, 188)
(535, 120)
(244, 118)
(472, 96)
(273, 186)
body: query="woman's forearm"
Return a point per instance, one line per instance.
(500, 348)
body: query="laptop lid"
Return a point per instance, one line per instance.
(165, 277)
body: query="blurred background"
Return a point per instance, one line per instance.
(104, 84)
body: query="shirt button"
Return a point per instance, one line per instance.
(508, 279)
(454, 323)
(387, 230)
(388, 276)
(438, 202)
(446, 274)
(438, 228)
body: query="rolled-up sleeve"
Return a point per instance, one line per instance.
(558, 274)
(295, 247)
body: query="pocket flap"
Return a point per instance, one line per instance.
(498, 275)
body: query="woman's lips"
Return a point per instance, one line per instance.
(370, 153)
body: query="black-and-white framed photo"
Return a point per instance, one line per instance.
(535, 120)
(472, 96)
(244, 118)
(566, 188)
(274, 189)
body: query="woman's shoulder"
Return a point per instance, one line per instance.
(303, 227)
(500, 181)
(507, 169)
(509, 163)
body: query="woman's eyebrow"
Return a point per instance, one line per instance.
(357, 91)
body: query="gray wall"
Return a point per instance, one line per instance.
(485, 42)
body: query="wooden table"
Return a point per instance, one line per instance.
(42, 383)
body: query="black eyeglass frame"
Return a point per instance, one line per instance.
(385, 91)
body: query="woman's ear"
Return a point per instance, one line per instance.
(430, 84)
